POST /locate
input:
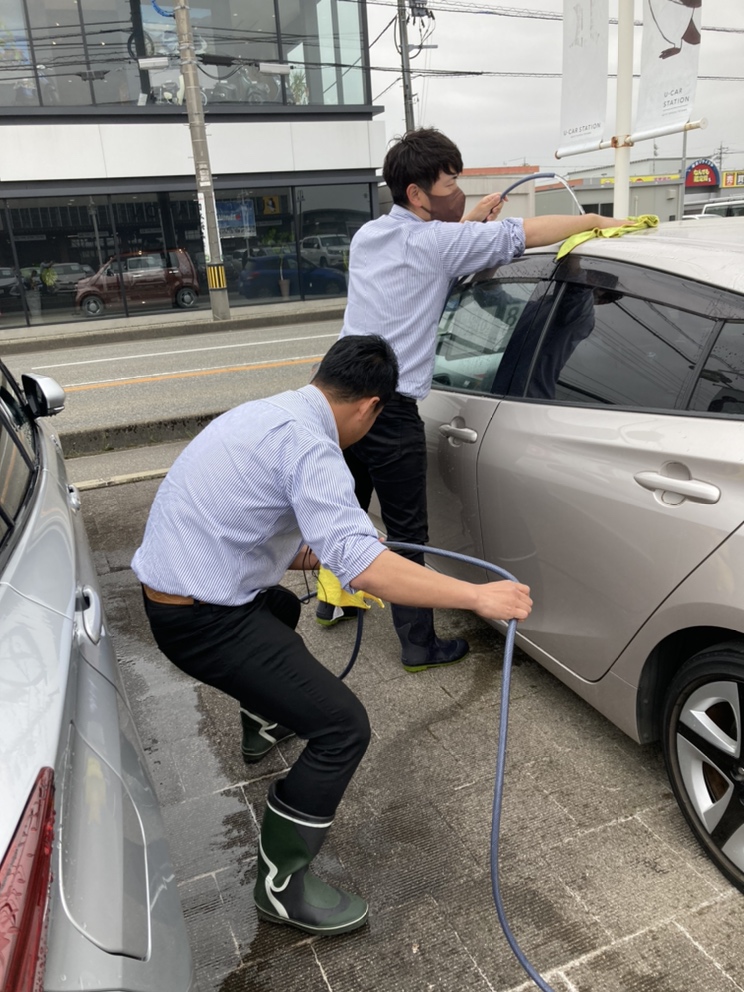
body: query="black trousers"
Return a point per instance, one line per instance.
(391, 461)
(253, 654)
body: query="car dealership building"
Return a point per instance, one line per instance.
(95, 149)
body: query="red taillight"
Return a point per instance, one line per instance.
(24, 888)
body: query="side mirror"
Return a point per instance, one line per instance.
(44, 395)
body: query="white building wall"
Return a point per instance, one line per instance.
(37, 153)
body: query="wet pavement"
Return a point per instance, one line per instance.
(603, 884)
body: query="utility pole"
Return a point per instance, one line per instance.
(406, 66)
(216, 280)
(624, 111)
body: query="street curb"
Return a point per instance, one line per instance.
(121, 480)
(142, 332)
(99, 440)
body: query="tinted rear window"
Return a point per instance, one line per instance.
(605, 347)
(720, 388)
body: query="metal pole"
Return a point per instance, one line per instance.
(682, 177)
(406, 66)
(204, 189)
(624, 107)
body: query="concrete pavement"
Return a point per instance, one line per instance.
(604, 886)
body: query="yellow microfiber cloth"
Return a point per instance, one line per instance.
(634, 224)
(331, 591)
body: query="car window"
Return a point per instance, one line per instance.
(606, 347)
(17, 460)
(476, 337)
(16, 414)
(720, 388)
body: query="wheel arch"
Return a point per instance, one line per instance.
(662, 665)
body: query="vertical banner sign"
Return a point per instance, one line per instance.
(584, 93)
(669, 62)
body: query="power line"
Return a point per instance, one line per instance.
(467, 7)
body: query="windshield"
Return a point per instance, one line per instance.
(335, 239)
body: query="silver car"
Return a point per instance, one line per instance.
(87, 893)
(586, 432)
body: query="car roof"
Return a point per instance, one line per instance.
(710, 251)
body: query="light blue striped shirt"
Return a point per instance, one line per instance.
(401, 269)
(245, 494)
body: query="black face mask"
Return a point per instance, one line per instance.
(448, 208)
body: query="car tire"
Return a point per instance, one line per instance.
(333, 288)
(323, 262)
(185, 297)
(703, 741)
(92, 306)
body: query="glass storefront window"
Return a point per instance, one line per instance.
(324, 39)
(68, 53)
(60, 243)
(81, 257)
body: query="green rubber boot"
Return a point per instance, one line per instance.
(259, 736)
(286, 892)
(420, 646)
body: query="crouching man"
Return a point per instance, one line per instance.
(246, 500)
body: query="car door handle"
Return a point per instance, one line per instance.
(92, 614)
(458, 433)
(698, 492)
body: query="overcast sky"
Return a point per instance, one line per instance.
(500, 121)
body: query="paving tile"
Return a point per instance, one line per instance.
(716, 930)
(627, 880)
(668, 824)
(290, 969)
(407, 948)
(212, 940)
(405, 851)
(661, 959)
(550, 926)
(209, 833)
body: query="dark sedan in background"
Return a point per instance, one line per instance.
(277, 275)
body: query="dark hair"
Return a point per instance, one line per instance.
(419, 157)
(357, 366)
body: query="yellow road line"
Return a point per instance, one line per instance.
(191, 375)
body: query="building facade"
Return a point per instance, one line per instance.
(97, 188)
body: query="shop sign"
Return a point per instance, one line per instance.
(733, 179)
(236, 217)
(670, 177)
(702, 173)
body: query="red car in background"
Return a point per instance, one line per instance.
(148, 277)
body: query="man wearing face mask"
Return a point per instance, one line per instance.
(401, 268)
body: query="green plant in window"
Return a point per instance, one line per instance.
(298, 87)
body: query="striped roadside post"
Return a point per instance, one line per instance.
(217, 284)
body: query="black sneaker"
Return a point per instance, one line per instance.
(328, 615)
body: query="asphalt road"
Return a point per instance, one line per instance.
(130, 384)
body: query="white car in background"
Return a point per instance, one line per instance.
(88, 897)
(326, 250)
